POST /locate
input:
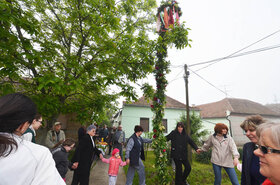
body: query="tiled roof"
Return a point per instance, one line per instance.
(170, 103)
(275, 107)
(239, 106)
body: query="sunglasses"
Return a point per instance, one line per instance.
(268, 150)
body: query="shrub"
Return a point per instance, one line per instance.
(204, 157)
(240, 150)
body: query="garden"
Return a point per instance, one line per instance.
(202, 172)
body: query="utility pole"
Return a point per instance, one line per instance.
(188, 125)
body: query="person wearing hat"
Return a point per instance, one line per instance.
(55, 135)
(84, 156)
(114, 162)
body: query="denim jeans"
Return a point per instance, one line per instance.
(218, 175)
(141, 173)
(112, 180)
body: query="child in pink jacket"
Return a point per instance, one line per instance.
(114, 162)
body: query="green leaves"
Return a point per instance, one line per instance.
(178, 36)
(69, 54)
(197, 134)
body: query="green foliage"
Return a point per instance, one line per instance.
(150, 171)
(197, 132)
(67, 55)
(203, 157)
(201, 173)
(178, 37)
(204, 174)
(240, 151)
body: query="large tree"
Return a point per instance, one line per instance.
(70, 55)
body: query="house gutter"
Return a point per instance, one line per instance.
(229, 122)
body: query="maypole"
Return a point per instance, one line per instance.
(167, 20)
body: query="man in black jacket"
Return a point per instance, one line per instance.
(179, 140)
(84, 155)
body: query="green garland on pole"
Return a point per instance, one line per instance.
(159, 143)
(171, 33)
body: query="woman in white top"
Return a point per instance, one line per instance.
(21, 161)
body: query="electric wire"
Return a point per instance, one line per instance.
(211, 62)
(176, 77)
(209, 122)
(241, 54)
(209, 82)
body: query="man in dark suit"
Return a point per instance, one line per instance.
(84, 155)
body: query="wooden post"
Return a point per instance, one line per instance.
(188, 125)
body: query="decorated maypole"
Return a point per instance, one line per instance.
(169, 30)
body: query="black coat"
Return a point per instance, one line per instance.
(248, 152)
(60, 157)
(81, 133)
(179, 144)
(84, 155)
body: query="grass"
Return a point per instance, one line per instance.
(204, 174)
(200, 174)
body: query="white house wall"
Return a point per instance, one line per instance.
(209, 124)
(239, 137)
(237, 132)
(131, 116)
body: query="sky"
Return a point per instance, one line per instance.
(220, 28)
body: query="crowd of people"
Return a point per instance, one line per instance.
(35, 164)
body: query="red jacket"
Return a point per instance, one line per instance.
(114, 164)
(267, 182)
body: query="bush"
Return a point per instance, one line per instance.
(240, 150)
(204, 157)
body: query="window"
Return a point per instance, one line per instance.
(144, 123)
(164, 123)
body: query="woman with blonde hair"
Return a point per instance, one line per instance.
(250, 162)
(269, 152)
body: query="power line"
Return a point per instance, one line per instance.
(176, 66)
(177, 76)
(209, 82)
(209, 122)
(234, 52)
(241, 54)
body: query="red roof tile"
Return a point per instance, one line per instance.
(234, 105)
(170, 103)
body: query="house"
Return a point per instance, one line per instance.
(139, 113)
(275, 107)
(232, 112)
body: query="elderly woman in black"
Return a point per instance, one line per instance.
(84, 156)
(179, 140)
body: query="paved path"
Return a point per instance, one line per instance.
(99, 174)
